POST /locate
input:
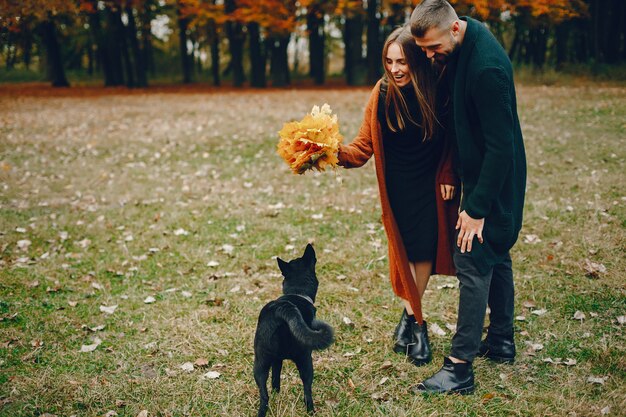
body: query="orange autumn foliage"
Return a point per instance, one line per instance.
(313, 142)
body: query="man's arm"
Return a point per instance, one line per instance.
(493, 101)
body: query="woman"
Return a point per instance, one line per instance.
(416, 181)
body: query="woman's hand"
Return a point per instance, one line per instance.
(447, 191)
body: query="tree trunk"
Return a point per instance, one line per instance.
(613, 18)
(257, 57)
(10, 48)
(90, 59)
(538, 46)
(140, 66)
(146, 42)
(279, 62)
(123, 46)
(27, 45)
(183, 24)
(102, 55)
(315, 27)
(353, 60)
(215, 53)
(53, 53)
(395, 18)
(561, 40)
(374, 50)
(581, 29)
(236, 39)
(113, 50)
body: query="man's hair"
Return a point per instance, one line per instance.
(429, 14)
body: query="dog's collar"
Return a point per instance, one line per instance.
(306, 297)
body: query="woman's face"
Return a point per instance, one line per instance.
(396, 65)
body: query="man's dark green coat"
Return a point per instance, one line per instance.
(492, 159)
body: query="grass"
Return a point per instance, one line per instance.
(102, 186)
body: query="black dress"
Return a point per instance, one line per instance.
(410, 169)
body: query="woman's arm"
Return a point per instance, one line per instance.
(358, 152)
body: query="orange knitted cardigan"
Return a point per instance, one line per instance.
(369, 142)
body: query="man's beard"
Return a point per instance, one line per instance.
(441, 59)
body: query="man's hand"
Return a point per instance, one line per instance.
(447, 191)
(468, 228)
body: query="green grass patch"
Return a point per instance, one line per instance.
(181, 198)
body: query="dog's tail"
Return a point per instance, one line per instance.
(319, 336)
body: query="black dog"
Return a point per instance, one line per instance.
(287, 329)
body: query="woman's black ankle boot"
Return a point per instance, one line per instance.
(402, 336)
(418, 351)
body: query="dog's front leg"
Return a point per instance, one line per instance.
(305, 368)
(277, 367)
(261, 374)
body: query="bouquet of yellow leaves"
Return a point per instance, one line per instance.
(312, 142)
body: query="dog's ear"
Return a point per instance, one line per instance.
(284, 266)
(309, 254)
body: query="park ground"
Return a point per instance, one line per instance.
(138, 233)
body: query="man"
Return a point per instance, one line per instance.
(492, 165)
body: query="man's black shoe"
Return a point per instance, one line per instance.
(452, 378)
(499, 349)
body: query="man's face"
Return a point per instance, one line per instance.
(438, 44)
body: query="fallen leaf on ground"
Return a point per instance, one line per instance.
(108, 309)
(487, 397)
(597, 379)
(380, 396)
(348, 322)
(532, 239)
(579, 315)
(211, 375)
(93, 329)
(90, 348)
(149, 300)
(539, 312)
(201, 362)
(534, 346)
(187, 367)
(143, 413)
(350, 354)
(383, 380)
(593, 269)
(436, 330)
(23, 244)
(441, 287)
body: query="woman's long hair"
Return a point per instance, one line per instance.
(424, 84)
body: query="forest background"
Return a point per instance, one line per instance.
(261, 43)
